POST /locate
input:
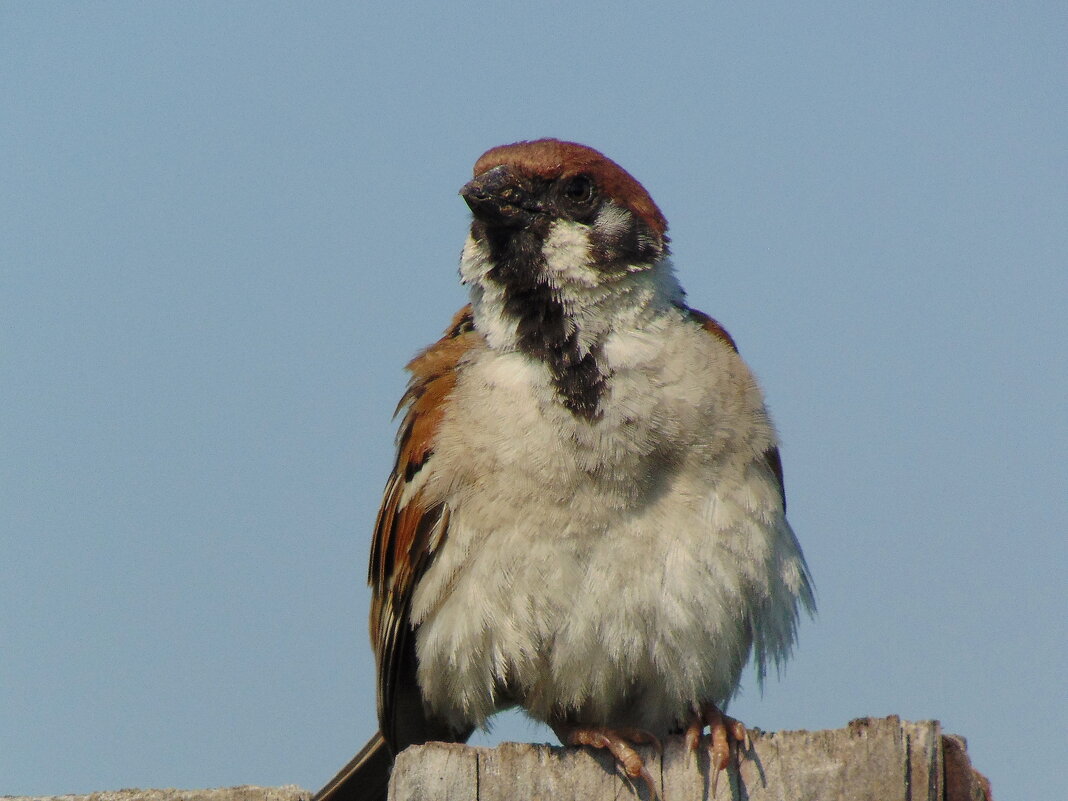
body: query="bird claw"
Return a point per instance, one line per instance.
(725, 731)
(620, 743)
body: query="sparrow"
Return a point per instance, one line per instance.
(586, 515)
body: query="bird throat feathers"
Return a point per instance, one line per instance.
(557, 294)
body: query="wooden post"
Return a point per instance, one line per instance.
(244, 793)
(881, 759)
(872, 759)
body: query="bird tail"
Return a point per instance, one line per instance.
(364, 778)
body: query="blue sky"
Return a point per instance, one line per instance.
(224, 228)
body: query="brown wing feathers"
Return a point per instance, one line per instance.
(405, 533)
(712, 327)
(433, 378)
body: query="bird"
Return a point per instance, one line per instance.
(586, 516)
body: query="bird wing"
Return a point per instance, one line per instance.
(410, 527)
(772, 458)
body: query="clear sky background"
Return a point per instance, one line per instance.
(224, 228)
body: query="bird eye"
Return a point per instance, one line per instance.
(579, 189)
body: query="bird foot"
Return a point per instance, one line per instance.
(620, 743)
(724, 730)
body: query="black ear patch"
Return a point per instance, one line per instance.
(618, 247)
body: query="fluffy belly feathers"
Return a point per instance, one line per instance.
(595, 582)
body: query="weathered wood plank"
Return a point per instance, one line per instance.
(870, 759)
(521, 770)
(881, 759)
(243, 793)
(962, 781)
(447, 772)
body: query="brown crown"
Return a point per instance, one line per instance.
(551, 159)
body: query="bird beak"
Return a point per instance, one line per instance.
(500, 197)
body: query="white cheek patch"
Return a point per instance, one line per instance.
(487, 297)
(568, 255)
(474, 260)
